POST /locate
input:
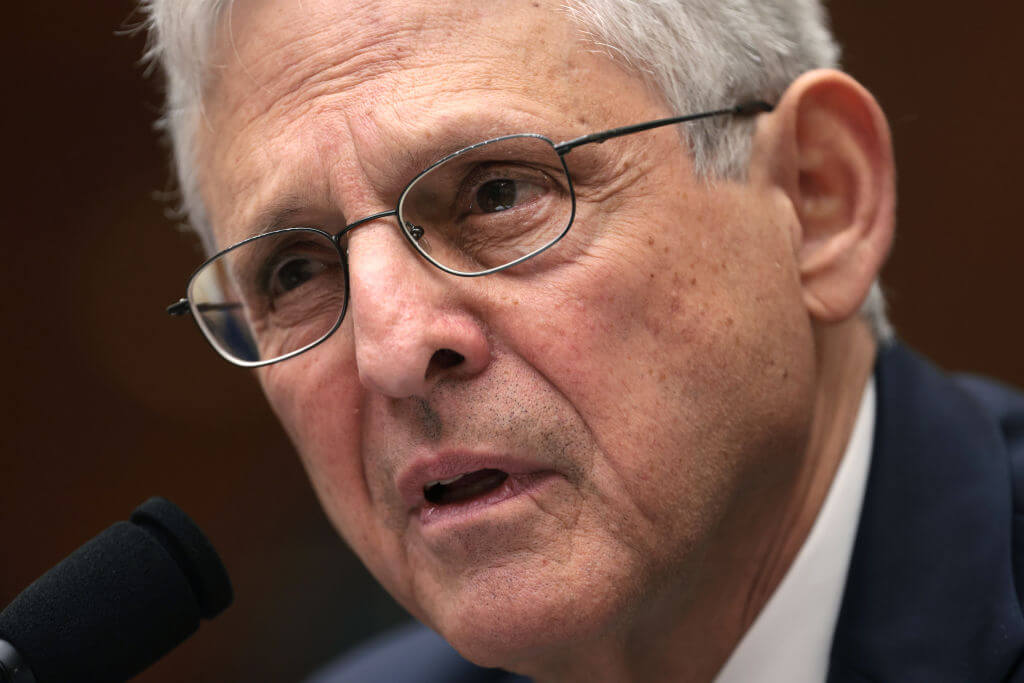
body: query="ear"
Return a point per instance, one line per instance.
(828, 147)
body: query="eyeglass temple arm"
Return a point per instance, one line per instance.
(181, 307)
(745, 109)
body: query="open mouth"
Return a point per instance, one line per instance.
(464, 487)
(474, 491)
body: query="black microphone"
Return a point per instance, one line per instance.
(117, 604)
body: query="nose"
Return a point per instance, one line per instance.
(410, 326)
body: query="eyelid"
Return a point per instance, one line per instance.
(270, 261)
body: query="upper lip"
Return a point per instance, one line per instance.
(424, 470)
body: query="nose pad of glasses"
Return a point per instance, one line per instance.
(415, 231)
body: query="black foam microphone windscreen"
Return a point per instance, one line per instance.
(121, 601)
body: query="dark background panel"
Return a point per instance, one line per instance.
(107, 401)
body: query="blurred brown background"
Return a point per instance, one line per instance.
(108, 401)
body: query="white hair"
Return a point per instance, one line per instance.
(698, 54)
(180, 35)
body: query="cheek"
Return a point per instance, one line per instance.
(316, 396)
(659, 337)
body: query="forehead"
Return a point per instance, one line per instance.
(328, 103)
(273, 52)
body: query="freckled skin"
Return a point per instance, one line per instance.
(658, 359)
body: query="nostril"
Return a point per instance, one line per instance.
(445, 358)
(442, 360)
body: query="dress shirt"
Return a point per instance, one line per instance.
(790, 640)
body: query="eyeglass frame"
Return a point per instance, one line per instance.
(185, 306)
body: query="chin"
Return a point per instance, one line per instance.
(514, 618)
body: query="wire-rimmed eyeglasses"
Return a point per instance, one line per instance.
(482, 209)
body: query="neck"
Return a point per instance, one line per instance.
(845, 360)
(691, 638)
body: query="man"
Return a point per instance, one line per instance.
(593, 408)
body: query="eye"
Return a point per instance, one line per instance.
(496, 195)
(502, 194)
(293, 273)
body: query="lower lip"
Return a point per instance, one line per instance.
(513, 487)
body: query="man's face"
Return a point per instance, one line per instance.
(631, 382)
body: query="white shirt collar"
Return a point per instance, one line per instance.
(791, 639)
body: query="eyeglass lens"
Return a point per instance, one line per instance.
(480, 209)
(489, 205)
(271, 296)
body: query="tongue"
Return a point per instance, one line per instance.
(472, 484)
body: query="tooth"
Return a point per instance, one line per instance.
(445, 482)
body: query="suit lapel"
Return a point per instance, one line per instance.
(930, 594)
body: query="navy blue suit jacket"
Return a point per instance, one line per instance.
(931, 594)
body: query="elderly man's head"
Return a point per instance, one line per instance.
(604, 445)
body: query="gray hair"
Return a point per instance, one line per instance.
(698, 54)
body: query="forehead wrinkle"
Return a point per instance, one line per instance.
(299, 87)
(292, 83)
(329, 47)
(375, 110)
(258, 195)
(291, 80)
(272, 62)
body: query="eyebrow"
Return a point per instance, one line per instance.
(447, 137)
(276, 216)
(279, 214)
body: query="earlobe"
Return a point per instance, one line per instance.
(833, 158)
